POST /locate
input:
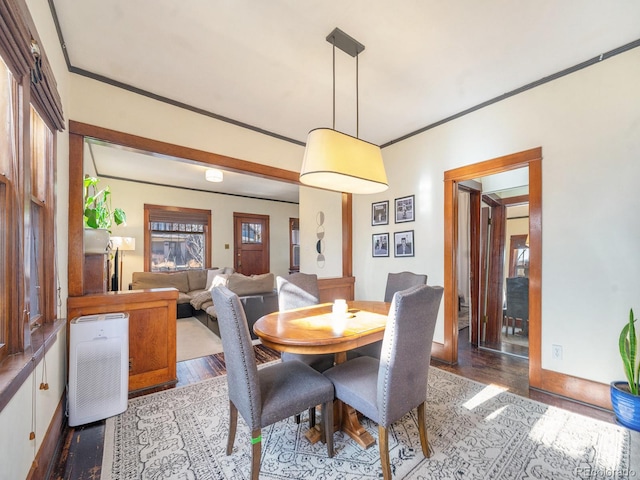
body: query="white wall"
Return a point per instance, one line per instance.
(132, 196)
(588, 125)
(312, 202)
(106, 106)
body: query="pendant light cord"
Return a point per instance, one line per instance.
(334, 83)
(357, 101)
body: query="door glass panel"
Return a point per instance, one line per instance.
(251, 233)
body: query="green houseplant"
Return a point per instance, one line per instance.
(98, 216)
(97, 206)
(625, 397)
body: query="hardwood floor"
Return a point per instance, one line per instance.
(80, 456)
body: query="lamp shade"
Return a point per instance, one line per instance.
(123, 243)
(336, 161)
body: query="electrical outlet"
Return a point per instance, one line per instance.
(556, 352)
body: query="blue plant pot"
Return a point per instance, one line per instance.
(625, 405)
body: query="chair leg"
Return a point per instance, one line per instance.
(233, 422)
(256, 451)
(297, 417)
(326, 426)
(312, 417)
(422, 428)
(383, 441)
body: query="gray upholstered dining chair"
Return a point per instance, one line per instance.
(295, 291)
(270, 394)
(396, 282)
(385, 389)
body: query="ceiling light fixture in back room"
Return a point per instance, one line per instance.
(337, 161)
(213, 175)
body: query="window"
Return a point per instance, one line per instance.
(176, 238)
(27, 176)
(41, 153)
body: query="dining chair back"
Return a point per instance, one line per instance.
(270, 394)
(396, 282)
(385, 389)
(297, 290)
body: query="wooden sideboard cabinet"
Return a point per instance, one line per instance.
(338, 287)
(152, 331)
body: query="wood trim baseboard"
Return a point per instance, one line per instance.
(575, 388)
(438, 352)
(46, 455)
(566, 386)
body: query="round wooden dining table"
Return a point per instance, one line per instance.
(316, 329)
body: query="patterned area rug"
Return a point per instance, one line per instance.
(475, 431)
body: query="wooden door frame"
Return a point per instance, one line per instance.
(529, 158)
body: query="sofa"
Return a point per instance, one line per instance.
(256, 292)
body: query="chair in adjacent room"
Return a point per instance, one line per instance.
(270, 394)
(295, 291)
(385, 389)
(396, 282)
(517, 304)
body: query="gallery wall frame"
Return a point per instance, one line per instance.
(403, 244)
(380, 213)
(380, 244)
(404, 208)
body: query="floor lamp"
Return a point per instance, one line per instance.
(121, 245)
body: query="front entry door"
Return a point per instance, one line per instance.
(251, 243)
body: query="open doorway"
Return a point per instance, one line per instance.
(501, 256)
(453, 179)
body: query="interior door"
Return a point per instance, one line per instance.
(251, 243)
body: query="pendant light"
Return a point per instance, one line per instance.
(335, 160)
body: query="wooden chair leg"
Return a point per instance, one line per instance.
(256, 451)
(422, 428)
(383, 441)
(312, 417)
(327, 426)
(233, 422)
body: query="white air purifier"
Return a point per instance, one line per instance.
(98, 367)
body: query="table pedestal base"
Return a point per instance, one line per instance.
(352, 427)
(345, 419)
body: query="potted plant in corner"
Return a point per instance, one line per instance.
(98, 216)
(625, 396)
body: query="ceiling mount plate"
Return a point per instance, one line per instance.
(344, 42)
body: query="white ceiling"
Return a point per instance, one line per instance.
(266, 64)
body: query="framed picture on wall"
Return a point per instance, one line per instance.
(380, 244)
(403, 244)
(380, 213)
(404, 209)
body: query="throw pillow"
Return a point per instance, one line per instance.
(219, 280)
(211, 274)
